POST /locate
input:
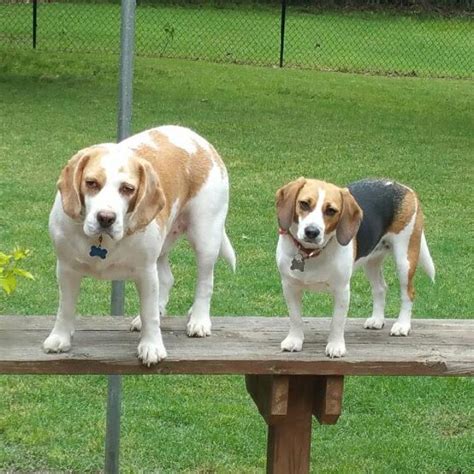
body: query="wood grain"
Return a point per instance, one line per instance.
(240, 345)
(289, 436)
(270, 394)
(327, 399)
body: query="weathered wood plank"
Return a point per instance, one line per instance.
(245, 323)
(243, 345)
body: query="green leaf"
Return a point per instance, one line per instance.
(23, 273)
(20, 254)
(9, 271)
(4, 259)
(8, 284)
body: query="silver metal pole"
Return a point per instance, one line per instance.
(126, 69)
(127, 32)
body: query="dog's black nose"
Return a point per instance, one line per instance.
(106, 218)
(311, 232)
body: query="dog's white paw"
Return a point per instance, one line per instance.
(136, 324)
(57, 343)
(400, 329)
(374, 323)
(292, 344)
(150, 353)
(336, 349)
(198, 328)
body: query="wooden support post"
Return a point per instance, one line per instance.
(289, 438)
(327, 401)
(286, 403)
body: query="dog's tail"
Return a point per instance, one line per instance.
(227, 251)
(425, 260)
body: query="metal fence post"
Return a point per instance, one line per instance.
(126, 69)
(127, 34)
(35, 21)
(282, 30)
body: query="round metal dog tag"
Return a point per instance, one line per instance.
(297, 263)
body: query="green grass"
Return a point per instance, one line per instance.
(270, 126)
(381, 42)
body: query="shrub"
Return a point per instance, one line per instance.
(10, 271)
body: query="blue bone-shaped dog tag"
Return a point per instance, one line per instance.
(98, 252)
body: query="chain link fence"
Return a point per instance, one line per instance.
(276, 33)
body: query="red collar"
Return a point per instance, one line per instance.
(308, 253)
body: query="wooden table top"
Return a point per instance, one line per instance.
(240, 345)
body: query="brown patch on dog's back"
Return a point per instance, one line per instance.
(181, 174)
(404, 213)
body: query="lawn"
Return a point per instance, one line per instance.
(270, 126)
(380, 42)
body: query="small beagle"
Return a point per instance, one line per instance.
(118, 212)
(326, 232)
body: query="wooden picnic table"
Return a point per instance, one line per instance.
(288, 388)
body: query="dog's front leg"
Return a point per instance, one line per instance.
(336, 346)
(151, 348)
(69, 282)
(294, 341)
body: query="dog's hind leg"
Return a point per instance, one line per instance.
(406, 251)
(166, 281)
(205, 236)
(206, 213)
(166, 278)
(374, 272)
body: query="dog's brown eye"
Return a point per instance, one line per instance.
(304, 205)
(92, 184)
(127, 189)
(330, 211)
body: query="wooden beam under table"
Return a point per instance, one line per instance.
(327, 398)
(287, 404)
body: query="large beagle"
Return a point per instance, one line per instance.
(119, 210)
(326, 232)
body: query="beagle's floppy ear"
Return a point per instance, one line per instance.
(69, 183)
(286, 202)
(150, 199)
(351, 217)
